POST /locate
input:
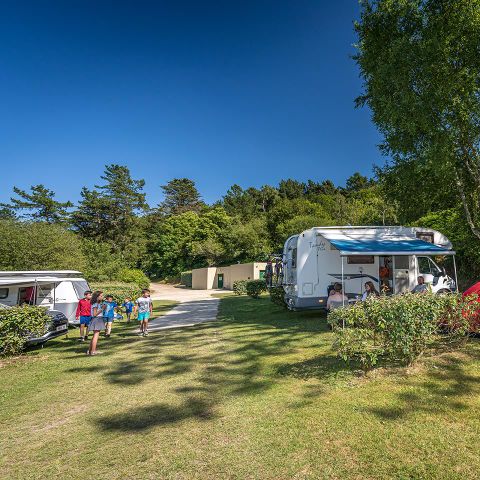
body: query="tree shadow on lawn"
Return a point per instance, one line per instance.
(445, 390)
(226, 358)
(149, 416)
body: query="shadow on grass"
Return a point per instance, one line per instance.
(322, 367)
(445, 390)
(150, 416)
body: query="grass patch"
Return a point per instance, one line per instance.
(257, 394)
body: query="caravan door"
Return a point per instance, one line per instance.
(401, 273)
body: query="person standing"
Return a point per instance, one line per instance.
(96, 324)
(128, 306)
(84, 314)
(144, 309)
(109, 314)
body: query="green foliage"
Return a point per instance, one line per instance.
(38, 205)
(39, 246)
(398, 328)
(255, 288)
(16, 324)
(108, 214)
(277, 296)
(240, 287)
(133, 276)
(181, 195)
(420, 64)
(119, 291)
(186, 279)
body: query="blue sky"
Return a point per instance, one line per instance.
(222, 92)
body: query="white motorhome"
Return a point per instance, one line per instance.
(391, 257)
(56, 289)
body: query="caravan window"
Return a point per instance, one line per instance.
(360, 259)
(294, 258)
(3, 293)
(80, 288)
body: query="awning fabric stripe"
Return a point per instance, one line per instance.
(388, 247)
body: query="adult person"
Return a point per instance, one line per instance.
(370, 290)
(84, 314)
(421, 287)
(97, 323)
(336, 298)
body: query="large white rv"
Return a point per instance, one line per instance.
(391, 257)
(57, 290)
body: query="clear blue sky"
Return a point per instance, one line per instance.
(222, 92)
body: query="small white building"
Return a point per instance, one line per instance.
(223, 277)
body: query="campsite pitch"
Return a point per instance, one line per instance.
(257, 394)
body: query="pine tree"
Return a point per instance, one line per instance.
(39, 205)
(181, 195)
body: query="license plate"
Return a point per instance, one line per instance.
(61, 327)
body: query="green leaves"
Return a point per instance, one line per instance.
(398, 328)
(255, 288)
(16, 324)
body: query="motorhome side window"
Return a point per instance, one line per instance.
(360, 259)
(294, 258)
(3, 293)
(80, 288)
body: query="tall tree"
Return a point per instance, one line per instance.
(291, 189)
(38, 205)
(420, 63)
(357, 182)
(109, 212)
(181, 195)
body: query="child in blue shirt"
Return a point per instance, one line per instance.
(109, 314)
(128, 306)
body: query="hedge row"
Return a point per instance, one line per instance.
(17, 324)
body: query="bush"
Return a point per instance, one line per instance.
(133, 275)
(240, 287)
(255, 288)
(398, 328)
(16, 324)
(119, 291)
(186, 279)
(277, 296)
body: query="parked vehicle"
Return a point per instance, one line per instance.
(391, 257)
(57, 326)
(57, 290)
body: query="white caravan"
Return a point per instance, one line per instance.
(391, 257)
(57, 290)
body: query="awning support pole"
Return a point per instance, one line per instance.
(455, 270)
(343, 294)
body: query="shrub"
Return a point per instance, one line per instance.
(398, 328)
(133, 275)
(119, 291)
(240, 287)
(277, 296)
(16, 324)
(255, 288)
(186, 279)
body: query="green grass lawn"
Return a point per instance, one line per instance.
(258, 395)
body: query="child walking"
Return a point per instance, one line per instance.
(96, 324)
(84, 314)
(109, 314)
(128, 306)
(144, 309)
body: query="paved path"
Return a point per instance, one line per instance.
(196, 306)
